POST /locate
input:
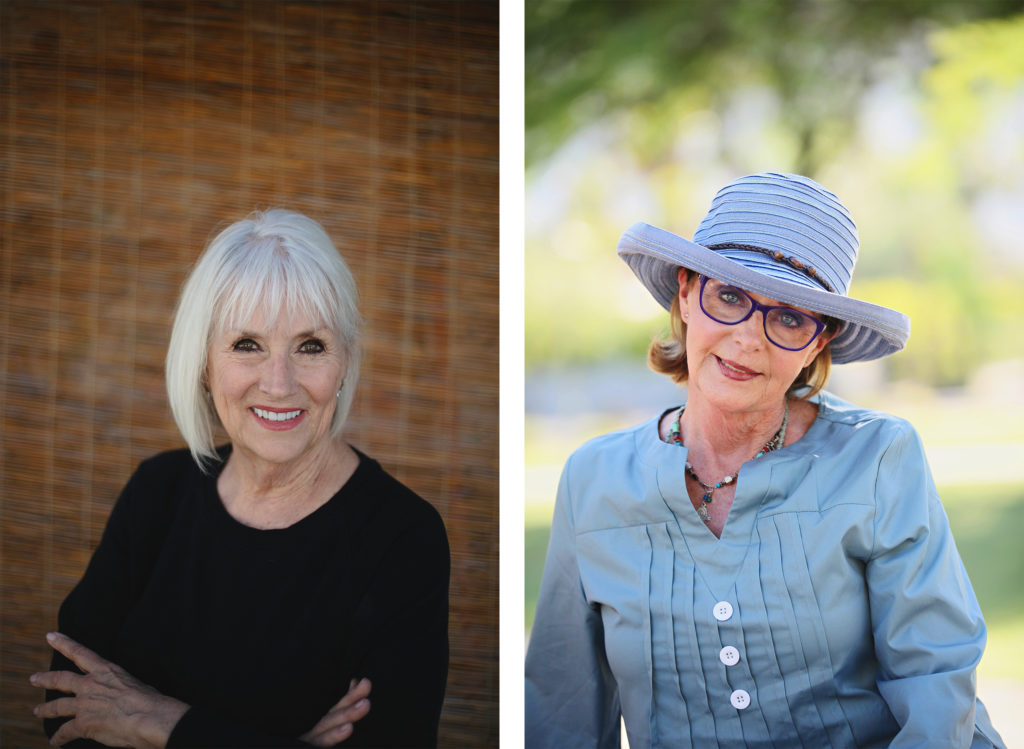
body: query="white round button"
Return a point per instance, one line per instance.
(740, 699)
(729, 655)
(722, 610)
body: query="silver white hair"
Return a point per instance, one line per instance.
(276, 261)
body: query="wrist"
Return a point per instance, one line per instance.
(155, 727)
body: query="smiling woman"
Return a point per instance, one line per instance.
(765, 565)
(253, 594)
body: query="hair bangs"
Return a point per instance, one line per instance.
(270, 280)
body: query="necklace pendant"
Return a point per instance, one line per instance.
(707, 497)
(702, 512)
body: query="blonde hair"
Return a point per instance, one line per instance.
(277, 260)
(668, 355)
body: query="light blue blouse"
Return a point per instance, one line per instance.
(833, 611)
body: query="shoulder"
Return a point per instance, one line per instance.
(876, 451)
(616, 448)
(602, 459)
(611, 480)
(154, 494)
(398, 532)
(169, 465)
(166, 476)
(847, 422)
(390, 501)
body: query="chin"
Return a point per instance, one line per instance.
(275, 449)
(731, 395)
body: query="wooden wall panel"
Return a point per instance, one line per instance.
(129, 133)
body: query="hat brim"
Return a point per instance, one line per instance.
(869, 331)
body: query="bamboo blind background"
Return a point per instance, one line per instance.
(129, 133)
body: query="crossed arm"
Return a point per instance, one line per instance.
(112, 707)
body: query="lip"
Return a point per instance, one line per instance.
(278, 426)
(735, 371)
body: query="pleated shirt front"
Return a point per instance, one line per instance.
(833, 611)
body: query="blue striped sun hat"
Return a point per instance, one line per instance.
(780, 235)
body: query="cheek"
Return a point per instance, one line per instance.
(702, 334)
(322, 384)
(790, 367)
(816, 348)
(228, 383)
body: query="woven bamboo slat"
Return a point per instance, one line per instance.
(129, 133)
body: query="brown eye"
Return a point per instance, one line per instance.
(245, 344)
(312, 346)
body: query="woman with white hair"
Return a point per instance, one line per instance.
(765, 565)
(250, 594)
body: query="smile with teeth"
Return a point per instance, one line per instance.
(275, 416)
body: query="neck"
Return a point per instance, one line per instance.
(269, 494)
(724, 440)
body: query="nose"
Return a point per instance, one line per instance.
(750, 333)
(276, 376)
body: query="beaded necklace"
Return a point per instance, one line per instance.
(675, 437)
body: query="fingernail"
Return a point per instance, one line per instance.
(33, 678)
(51, 636)
(35, 710)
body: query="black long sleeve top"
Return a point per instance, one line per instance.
(260, 631)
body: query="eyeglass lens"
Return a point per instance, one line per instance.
(785, 327)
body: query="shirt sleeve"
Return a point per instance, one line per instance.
(202, 729)
(403, 645)
(928, 629)
(572, 698)
(92, 612)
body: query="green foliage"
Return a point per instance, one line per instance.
(950, 321)
(579, 311)
(975, 63)
(586, 59)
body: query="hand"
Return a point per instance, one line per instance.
(110, 705)
(336, 726)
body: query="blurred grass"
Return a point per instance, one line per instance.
(987, 523)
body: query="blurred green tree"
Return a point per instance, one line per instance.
(586, 59)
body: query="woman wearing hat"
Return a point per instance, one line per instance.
(248, 594)
(765, 565)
